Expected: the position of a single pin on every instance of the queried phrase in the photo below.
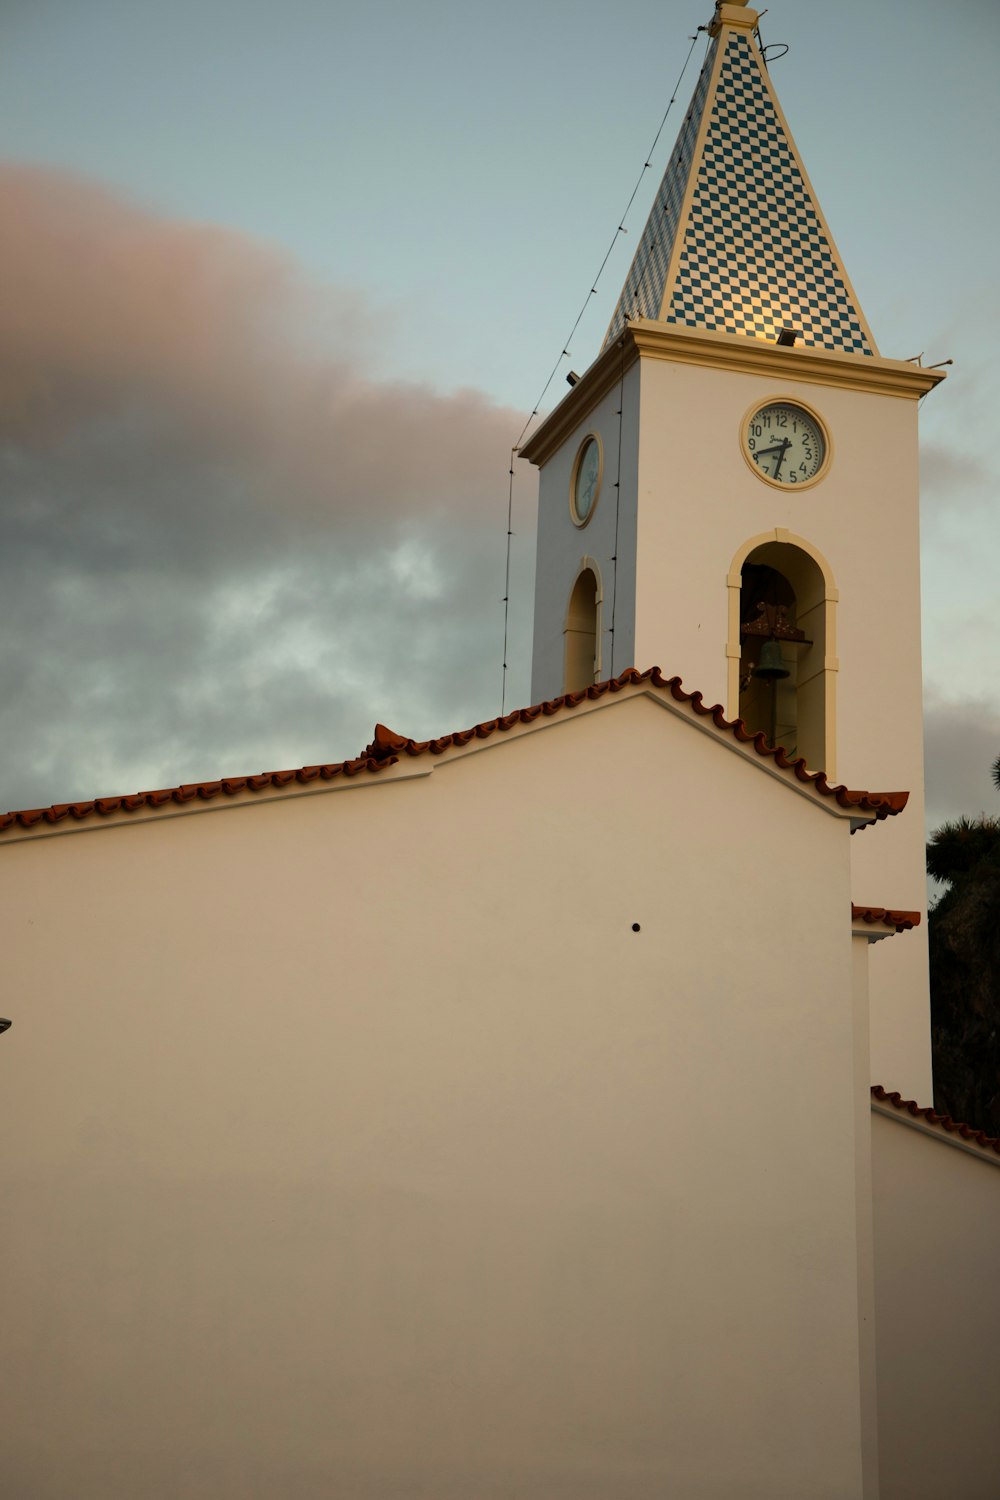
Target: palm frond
(958, 847)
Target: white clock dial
(785, 443)
(586, 480)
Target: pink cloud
(117, 309)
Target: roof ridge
(931, 1117)
(387, 748)
(883, 804)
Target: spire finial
(735, 13)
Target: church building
(542, 1110)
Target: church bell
(771, 667)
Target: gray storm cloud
(961, 742)
(225, 548)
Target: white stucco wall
(562, 546)
(937, 1229)
(698, 504)
(690, 502)
(356, 1145)
(861, 949)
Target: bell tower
(730, 492)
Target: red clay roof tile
(883, 804)
(386, 749)
(205, 790)
(899, 921)
(931, 1117)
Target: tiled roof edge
(204, 791)
(879, 804)
(387, 748)
(924, 1116)
(898, 921)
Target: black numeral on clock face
(785, 444)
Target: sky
(279, 286)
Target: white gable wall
(937, 1228)
(352, 1144)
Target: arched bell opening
(582, 632)
(783, 629)
(770, 642)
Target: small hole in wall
(636, 927)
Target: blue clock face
(786, 443)
(588, 476)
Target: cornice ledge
(606, 371)
(644, 338)
(887, 377)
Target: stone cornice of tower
(645, 339)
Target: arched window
(770, 643)
(781, 647)
(582, 632)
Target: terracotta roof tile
(192, 791)
(899, 921)
(883, 804)
(931, 1117)
(387, 748)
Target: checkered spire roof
(735, 240)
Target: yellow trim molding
(737, 15)
(587, 565)
(830, 665)
(796, 154)
(574, 515)
(810, 411)
(645, 339)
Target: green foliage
(964, 936)
(955, 849)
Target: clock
(785, 443)
(585, 485)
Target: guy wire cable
(618, 500)
(506, 583)
(647, 164)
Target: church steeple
(736, 241)
(708, 486)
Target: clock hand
(765, 453)
(781, 450)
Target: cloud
(948, 477)
(961, 742)
(197, 330)
(227, 547)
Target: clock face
(587, 480)
(785, 443)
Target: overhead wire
(618, 502)
(564, 354)
(647, 164)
